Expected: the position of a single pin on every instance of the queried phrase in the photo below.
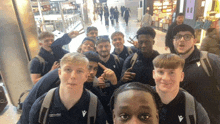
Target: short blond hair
(74, 58)
(168, 61)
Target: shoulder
(202, 116)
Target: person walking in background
(106, 15)
(146, 20)
(169, 35)
(116, 14)
(100, 12)
(126, 16)
(211, 42)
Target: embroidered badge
(84, 113)
(180, 117)
(114, 66)
(198, 64)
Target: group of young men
(94, 70)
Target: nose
(51, 41)
(134, 120)
(143, 45)
(165, 76)
(73, 74)
(92, 71)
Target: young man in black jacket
(196, 81)
(169, 35)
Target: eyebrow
(142, 107)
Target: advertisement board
(189, 12)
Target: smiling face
(146, 43)
(47, 42)
(93, 68)
(182, 46)
(118, 42)
(135, 107)
(73, 75)
(103, 49)
(168, 80)
(87, 46)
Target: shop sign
(189, 12)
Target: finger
(81, 32)
(81, 29)
(129, 69)
(130, 41)
(102, 66)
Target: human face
(118, 42)
(87, 46)
(182, 46)
(179, 20)
(47, 42)
(73, 75)
(168, 80)
(146, 43)
(103, 49)
(135, 107)
(93, 68)
(92, 33)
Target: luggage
(3, 99)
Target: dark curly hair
(147, 31)
(92, 56)
(136, 86)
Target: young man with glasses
(196, 81)
(118, 42)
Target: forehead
(103, 43)
(75, 64)
(48, 37)
(184, 32)
(93, 64)
(88, 41)
(118, 35)
(180, 16)
(169, 69)
(93, 31)
(145, 37)
(130, 97)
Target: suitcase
(3, 99)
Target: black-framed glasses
(102, 37)
(186, 37)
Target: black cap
(183, 27)
(88, 38)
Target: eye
(172, 72)
(79, 71)
(68, 70)
(144, 117)
(160, 72)
(124, 116)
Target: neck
(119, 50)
(167, 97)
(179, 23)
(69, 97)
(104, 59)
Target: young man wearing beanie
(88, 44)
(196, 81)
(139, 68)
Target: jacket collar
(195, 56)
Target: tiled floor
(10, 115)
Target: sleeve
(168, 36)
(35, 109)
(35, 66)
(101, 117)
(64, 40)
(205, 45)
(121, 66)
(216, 68)
(126, 65)
(202, 116)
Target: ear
(153, 74)
(194, 41)
(59, 72)
(182, 76)
(153, 42)
(113, 116)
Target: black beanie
(183, 27)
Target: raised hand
(128, 76)
(74, 34)
(56, 64)
(135, 43)
(108, 74)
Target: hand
(101, 82)
(128, 76)
(74, 34)
(56, 64)
(135, 43)
(108, 74)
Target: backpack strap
(92, 108)
(133, 60)
(129, 50)
(190, 109)
(42, 61)
(117, 61)
(206, 65)
(44, 110)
